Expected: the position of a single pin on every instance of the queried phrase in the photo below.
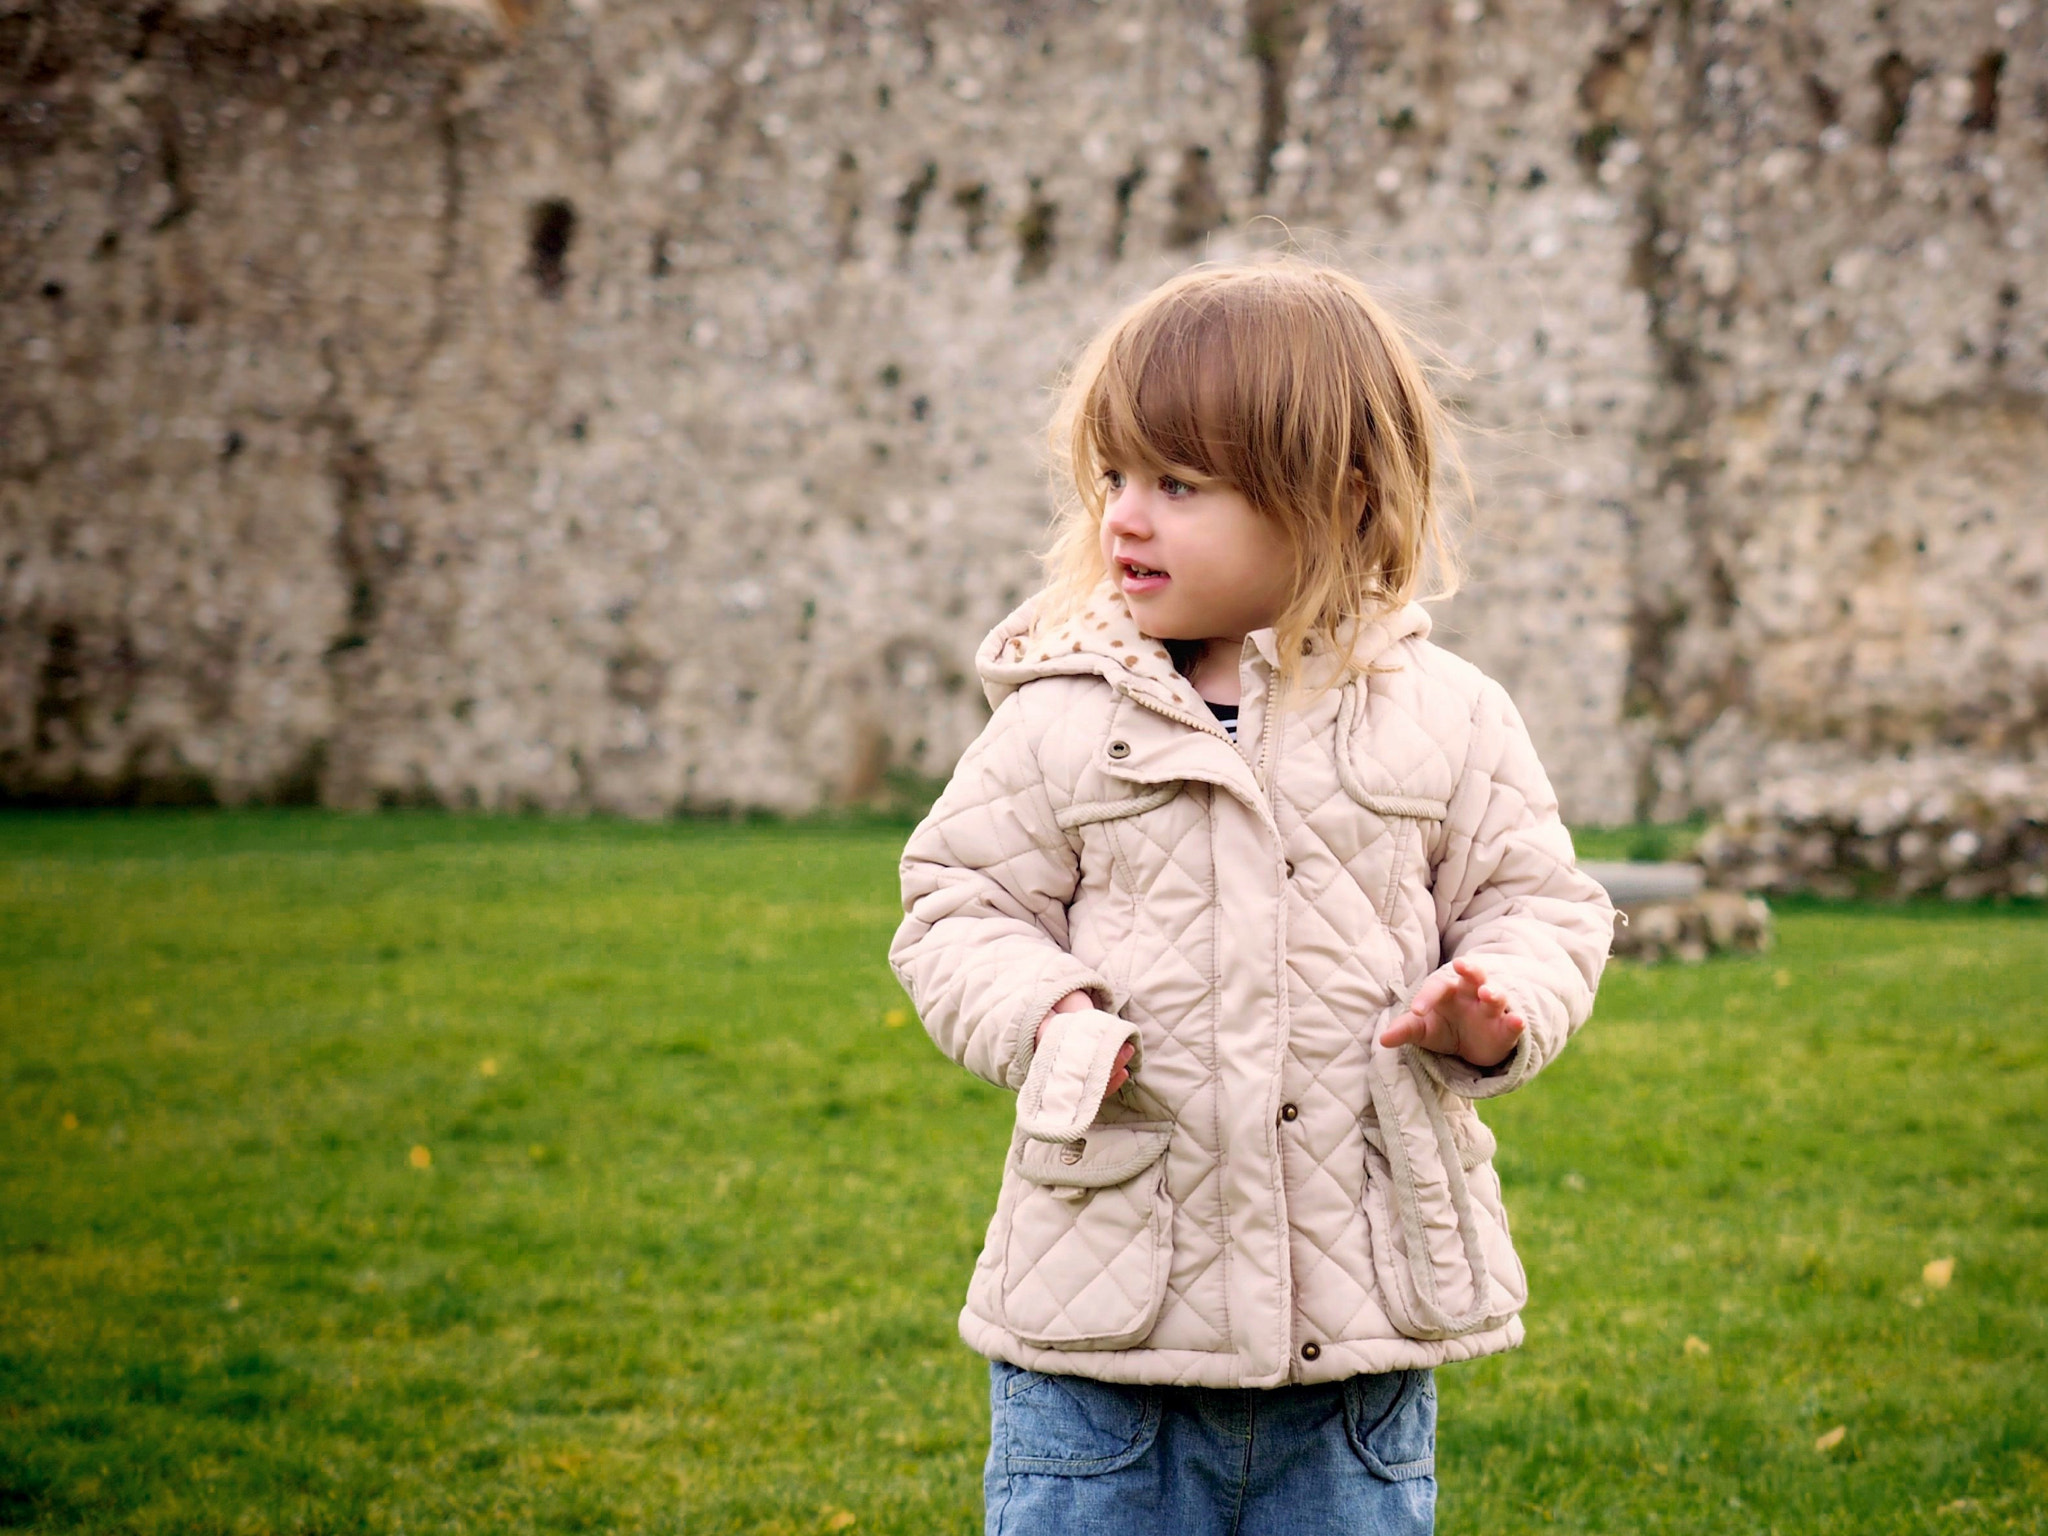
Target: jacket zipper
(1272, 714)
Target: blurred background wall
(635, 405)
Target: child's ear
(1358, 487)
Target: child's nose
(1127, 514)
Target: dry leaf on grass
(420, 1157)
(895, 1018)
(1827, 1442)
(840, 1519)
(1935, 1274)
(1695, 1345)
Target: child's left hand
(1459, 1016)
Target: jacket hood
(1103, 639)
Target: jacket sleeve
(987, 878)
(1511, 899)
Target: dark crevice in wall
(843, 207)
(1035, 239)
(597, 105)
(85, 685)
(171, 166)
(448, 221)
(550, 231)
(370, 543)
(1610, 94)
(636, 678)
(1895, 78)
(1824, 99)
(1274, 32)
(299, 785)
(1120, 220)
(1196, 202)
(910, 203)
(60, 690)
(1348, 47)
(972, 201)
(1681, 675)
(2001, 335)
(149, 21)
(1983, 115)
(210, 679)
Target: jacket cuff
(1459, 1076)
(1037, 1003)
(1070, 1075)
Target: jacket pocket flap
(1107, 1155)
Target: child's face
(1194, 564)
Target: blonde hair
(1285, 380)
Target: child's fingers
(1432, 992)
(1410, 1026)
(1120, 1073)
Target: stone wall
(636, 406)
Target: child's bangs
(1168, 400)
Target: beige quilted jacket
(1275, 1197)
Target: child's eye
(1175, 488)
(1114, 478)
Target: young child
(1249, 891)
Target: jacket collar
(1103, 639)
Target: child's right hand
(1080, 1002)
(1459, 1015)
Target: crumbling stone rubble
(1945, 824)
(1665, 912)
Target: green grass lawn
(424, 1174)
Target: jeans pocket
(1068, 1426)
(1391, 1422)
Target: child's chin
(1158, 626)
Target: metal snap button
(1119, 749)
(1071, 1152)
(1311, 1350)
(1290, 1112)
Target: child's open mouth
(1141, 578)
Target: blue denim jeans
(1072, 1457)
